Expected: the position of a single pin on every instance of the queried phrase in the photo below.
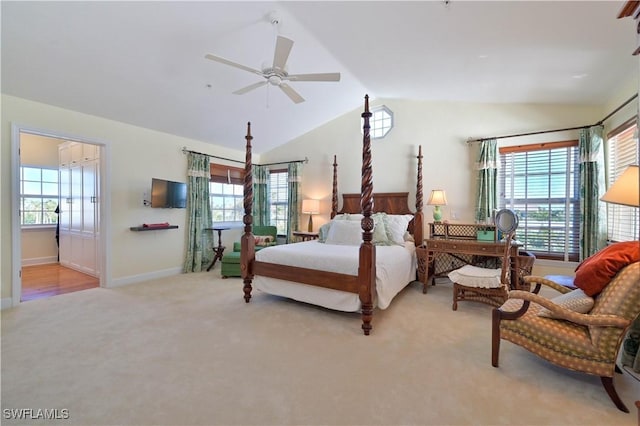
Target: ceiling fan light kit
(277, 74)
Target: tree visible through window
(38, 196)
(226, 201)
(279, 199)
(540, 183)
(226, 193)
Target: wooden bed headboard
(387, 202)
(383, 202)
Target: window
(226, 201)
(381, 122)
(38, 196)
(226, 193)
(540, 182)
(279, 200)
(622, 150)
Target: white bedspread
(395, 268)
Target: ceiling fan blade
(329, 76)
(292, 94)
(250, 88)
(231, 63)
(280, 56)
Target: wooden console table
(463, 231)
(305, 236)
(219, 250)
(461, 252)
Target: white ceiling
(143, 62)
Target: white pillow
(409, 237)
(344, 232)
(348, 216)
(323, 232)
(396, 227)
(474, 276)
(380, 236)
(575, 300)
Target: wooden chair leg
(607, 382)
(495, 337)
(455, 297)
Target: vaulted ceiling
(144, 63)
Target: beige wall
(135, 155)
(442, 129)
(40, 151)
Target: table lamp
(437, 198)
(310, 207)
(626, 189)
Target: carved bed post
(419, 216)
(247, 241)
(334, 193)
(367, 266)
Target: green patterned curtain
(487, 166)
(593, 220)
(261, 216)
(295, 177)
(200, 242)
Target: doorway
(42, 267)
(52, 279)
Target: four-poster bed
(343, 277)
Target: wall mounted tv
(168, 194)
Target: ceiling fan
(277, 74)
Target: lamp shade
(310, 206)
(626, 189)
(437, 198)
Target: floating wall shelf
(152, 228)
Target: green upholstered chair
(265, 236)
(584, 342)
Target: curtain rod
(470, 140)
(186, 151)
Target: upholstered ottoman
(231, 264)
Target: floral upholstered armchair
(581, 329)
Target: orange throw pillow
(595, 272)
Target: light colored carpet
(187, 350)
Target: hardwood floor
(39, 281)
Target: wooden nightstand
(305, 236)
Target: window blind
(226, 174)
(540, 183)
(622, 221)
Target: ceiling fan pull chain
(275, 23)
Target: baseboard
(6, 303)
(39, 260)
(556, 263)
(133, 279)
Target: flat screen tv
(168, 194)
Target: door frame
(104, 246)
